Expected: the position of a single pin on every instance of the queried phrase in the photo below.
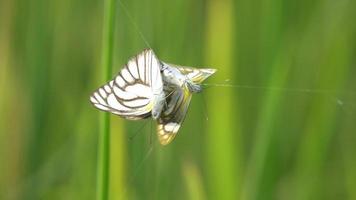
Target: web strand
(129, 16)
(328, 93)
(137, 170)
(282, 89)
(138, 131)
(337, 100)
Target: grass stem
(104, 137)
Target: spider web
(342, 99)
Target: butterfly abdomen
(159, 102)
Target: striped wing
(178, 102)
(131, 93)
(173, 115)
(196, 75)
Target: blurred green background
(287, 133)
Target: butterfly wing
(178, 102)
(194, 74)
(131, 93)
(173, 114)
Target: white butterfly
(148, 87)
(180, 83)
(136, 92)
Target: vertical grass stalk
(223, 157)
(104, 137)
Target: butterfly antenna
(169, 94)
(206, 86)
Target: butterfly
(180, 83)
(136, 92)
(148, 87)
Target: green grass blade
(222, 155)
(104, 137)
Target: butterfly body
(174, 77)
(159, 102)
